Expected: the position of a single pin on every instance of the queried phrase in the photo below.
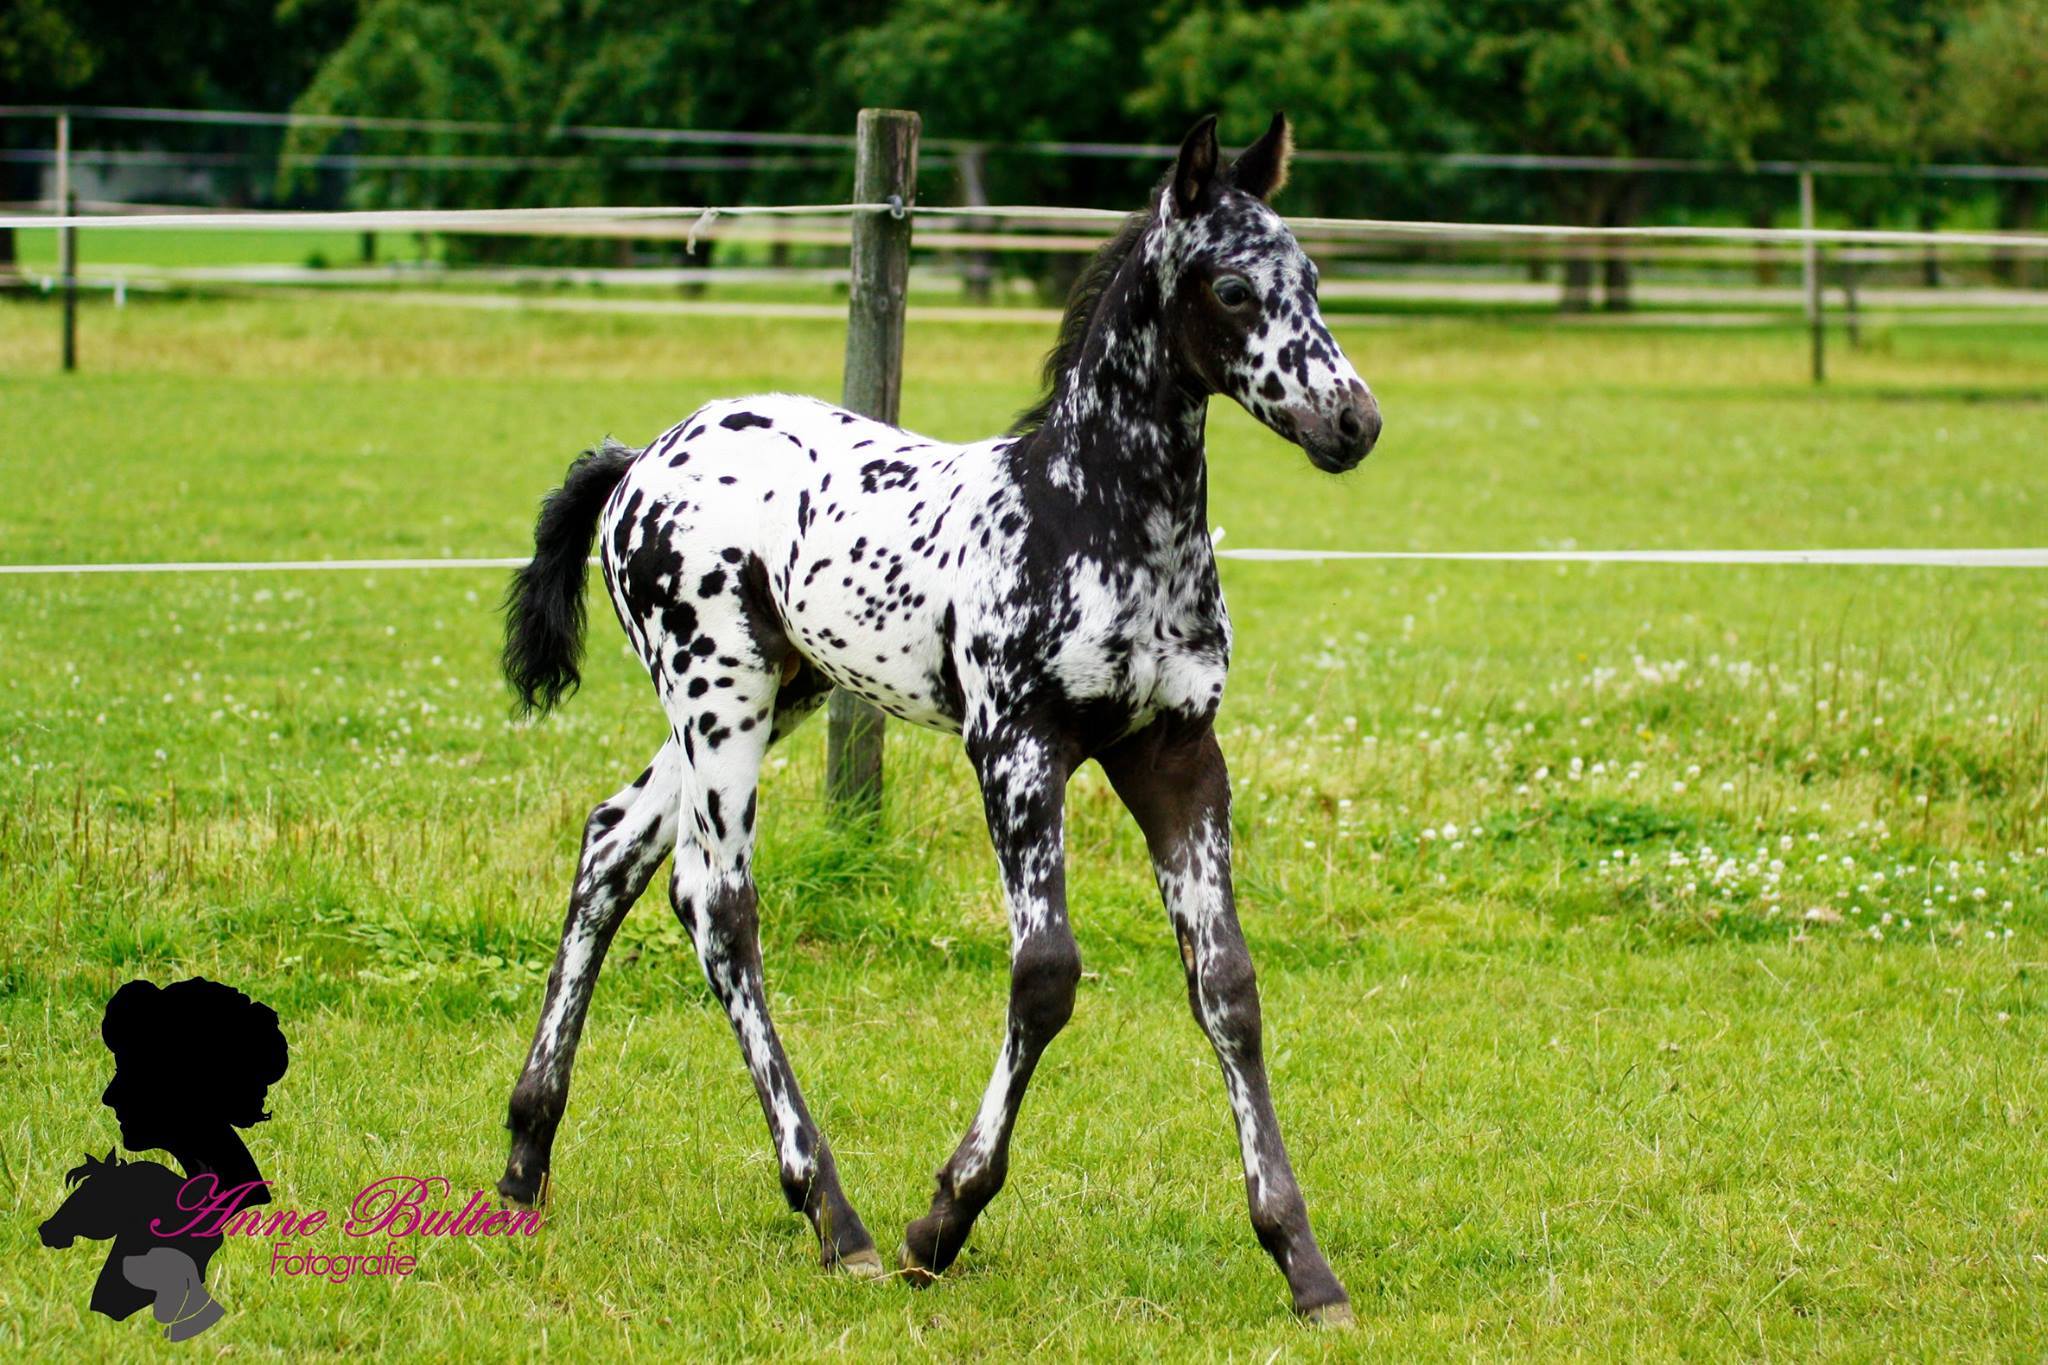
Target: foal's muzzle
(1339, 439)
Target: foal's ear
(1261, 169)
(1195, 168)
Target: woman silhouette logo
(193, 1061)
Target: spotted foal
(1049, 595)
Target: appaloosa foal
(1049, 595)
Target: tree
(1596, 78)
(189, 54)
(1614, 78)
(1351, 76)
(1889, 106)
(544, 65)
(1994, 85)
(41, 50)
(1016, 71)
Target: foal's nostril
(1362, 423)
(1348, 424)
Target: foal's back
(782, 533)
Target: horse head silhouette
(105, 1192)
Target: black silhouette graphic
(115, 1199)
(193, 1061)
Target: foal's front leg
(1023, 780)
(1177, 787)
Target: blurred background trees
(1898, 82)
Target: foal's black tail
(544, 604)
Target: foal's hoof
(1336, 1316)
(525, 1191)
(865, 1264)
(915, 1272)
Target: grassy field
(187, 247)
(1653, 957)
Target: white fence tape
(2026, 558)
(1936, 559)
(264, 566)
(540, 221)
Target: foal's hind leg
(1177, 787)
(1022, 783)
(624, 840)
(713, 891)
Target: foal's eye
(1232, 291)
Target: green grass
(37, 248)
(1652, 956)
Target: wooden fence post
(67, 264)
(67, 243)
(978, 267)
(1851, 267)
(885, 170)
(1810, 263)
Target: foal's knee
(1044, 973)
(719, 909)
(715, 897)
(604, 868)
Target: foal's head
(1240, 299)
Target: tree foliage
(1994, 81)
(544, 66)
(1009, 71)
(1733, 81)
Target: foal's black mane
(1082, 302)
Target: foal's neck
(1124, 442)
